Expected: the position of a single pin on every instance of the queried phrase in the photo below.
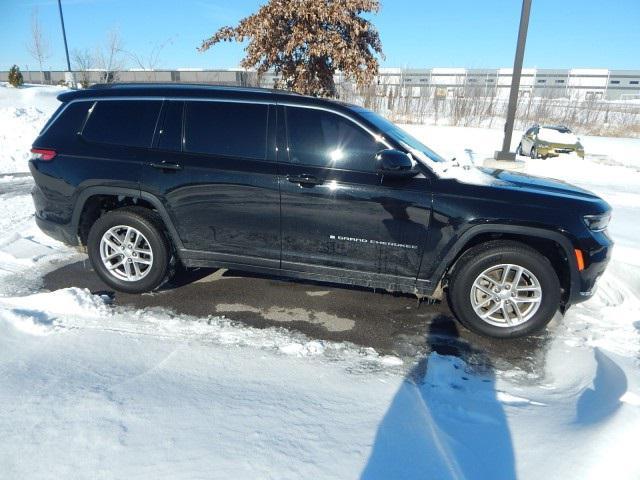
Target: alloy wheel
(506, 295)
(126, 253)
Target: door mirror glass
(395, 163)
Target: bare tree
(38, 46)
(306, 41)
(83, 62)
(109, 58)
(150, 61)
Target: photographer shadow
(445, 421)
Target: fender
(89, 192)
(466, 237)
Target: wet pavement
(389, 323)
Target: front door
(339, 216)
(218, 180)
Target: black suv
(151, 177)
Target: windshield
(559, 128)
(390, 129)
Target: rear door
(217, 177)
(115, 141)
(338, 214)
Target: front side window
(226, 128)
(324, 139)
(128, 123)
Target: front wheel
(128, 250)
(534, 153)
(504, 290)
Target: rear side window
(225, 128)
(128, 123)
(324, 139)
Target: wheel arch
(551, 244)
(121, 195)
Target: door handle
(167, 166)
(304, 179)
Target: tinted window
(65, 126)
(170, 134)
(128, 122)
(325, 139)
(232, 129)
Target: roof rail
(211, 86)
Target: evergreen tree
(15, 76)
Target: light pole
(505, 154)
(69, 75)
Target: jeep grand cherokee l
(147, 177)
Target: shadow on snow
(446, 420)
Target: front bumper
(597, 253)
(555, 150)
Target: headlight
(597, 223)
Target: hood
(532, 184)
(553, 136)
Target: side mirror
(395, 163)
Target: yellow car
(549, 141)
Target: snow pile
(23, 113)
(462, 172)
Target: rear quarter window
(128, 123)
(65, 124)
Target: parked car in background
(549, 141)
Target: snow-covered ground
(88, 390)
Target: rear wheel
(504, 289)
(129, 250)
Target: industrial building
(576, 84)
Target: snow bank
(23, 113)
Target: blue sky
(415, 33)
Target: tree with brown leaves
(306, 41)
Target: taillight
(43, 154)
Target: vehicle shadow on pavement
(446, 420)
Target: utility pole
(69, 74)
(505, 154)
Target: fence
(458, 102)
(484, 108)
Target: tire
(150, 241)
(487, 258)
(534, 153)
